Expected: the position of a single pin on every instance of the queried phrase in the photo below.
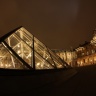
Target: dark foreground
(82, 83)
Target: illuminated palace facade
(83, 55)
(66, 55)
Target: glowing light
(18, 51)
(91, 60)
(94, 59)
(18, 45)
(38, 64)
(81, 63)
(46, 58)
(41, 65)
(1, 65)
(59, 66)
(9, 65)
(6, 65)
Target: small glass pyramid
(19, 49)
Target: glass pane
(21, 48)
(39, 43)
(47, 57)
(26, 32)
(25, 52)
(26, 36)
(11, 41)
(39, 49)
(58, 64)
(56, 59)
(42, 50)
(8, 61)
(40, 63)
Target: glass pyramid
(19, 49)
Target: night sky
(59, 24)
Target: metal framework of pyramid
(19, 49)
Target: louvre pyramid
(19, 49)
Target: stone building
(66, 55)
(86, 53)
(83, 55)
